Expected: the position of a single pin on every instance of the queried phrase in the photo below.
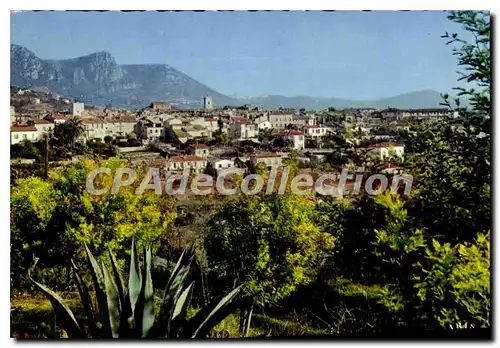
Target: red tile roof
(211, 120)
(199, 146)
(23, 129)
(241, 120)
(292, 133)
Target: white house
(94, 128)
(264, 125)
(308, 120)
(222, 163)
(382, 151)
(280, 119)
(201, 150)
(122, 126)
(316, 130)
(212, 124)
(178, 163)
(43, 126)
(58, 118)
(296, 137)
(269, 159)
(242, 128)
(23, 133)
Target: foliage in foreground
(271, 243)
(128, 312)
(52, 217)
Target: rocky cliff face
(98, 79)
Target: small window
(16, 136)
(220, 165)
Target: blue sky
(358, 55)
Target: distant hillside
(419, 99)
(97, 79)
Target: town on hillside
(172, 139)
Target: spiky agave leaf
(126, 311)
(134, 279)
(144, 316)
(179, 314)
(206, 319)
(84, 293)
(173, 290)
(182, 302)
(113, 302)
(66, 317)
(118, 278)
(99, 287)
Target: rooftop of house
(23, 128)
(186, 158)
(199, 146)
(158, 162)
(42, 121)
(92, 121)
(125, 119)
(315, 126)
(219, 159)
(292, 133)
(60, 117)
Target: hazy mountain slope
(97, 79)
(419, 99)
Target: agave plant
(128, 312)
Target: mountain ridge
(97, 79)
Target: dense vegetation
(366, 265)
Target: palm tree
(74, 129)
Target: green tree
(52, 217)
(271, 243)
